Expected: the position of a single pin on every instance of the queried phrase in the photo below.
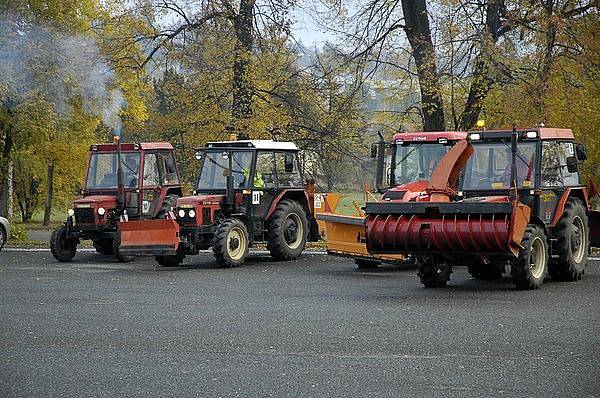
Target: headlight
(192, 213)
(101, 210)
(181, 213)
(71, 212)
(475, 136)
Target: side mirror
(572, 164)
(374, 150)
(581, 152)
(288, 163)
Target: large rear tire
(433, 271)
(119, 257)
(287, 231)
(231, 243)
(103, 246)
(530, 268)
(572, 243)
(62, 248)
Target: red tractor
(412, 158)
(498, 198)
(135, 181)
(247, 192)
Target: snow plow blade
(346, 237)
(446, 228)
(149, 237)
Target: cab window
(551, 176)
(151, 171)
(265, 176)
(567, 150)
(288, 174)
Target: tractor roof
(543, 133)
(131, 146)
(254, 144)
(430, 136)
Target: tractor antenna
(513, 168)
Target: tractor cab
(408, 161)
(149, 174)
(546, 166)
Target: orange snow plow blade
(149, 237)
(346, 237)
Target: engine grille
(84, 216)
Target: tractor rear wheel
(433, 271)
(364, 263)
(3, 237)
(171, 261)
(103, 246)
(572, 243)
(482, 271)
(530, 268)
(231, 243)
(120, 258)
(63, 249)
(169, 202)
(287, 231)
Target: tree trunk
(4, 166)
(243, 90)
(419, 36)
(49, 194)
(482, 82)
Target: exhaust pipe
(380, 164)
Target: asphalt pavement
(313, 327)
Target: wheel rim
(293, 231)
(236, 243)
(578, 240)
(537, 258)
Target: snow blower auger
(498, 198)
(413, 157)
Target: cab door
(151, 181)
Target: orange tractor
(134, 181)
(498, 198)
(247, 191)
(412, 157)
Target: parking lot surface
(313, 327)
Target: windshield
(212, 172)
(416, 161)
(490, 166)
(102, 173)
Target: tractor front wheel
(62, 248)
(364, 263)
(483, 271)
(103, 246)
(231, 243)
(287, 231)
(171, 261)
(572, 243)
(530, 268)
(119, 257)
(433, 271)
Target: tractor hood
(95, 201)
(192, 201)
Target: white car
(4, 231)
